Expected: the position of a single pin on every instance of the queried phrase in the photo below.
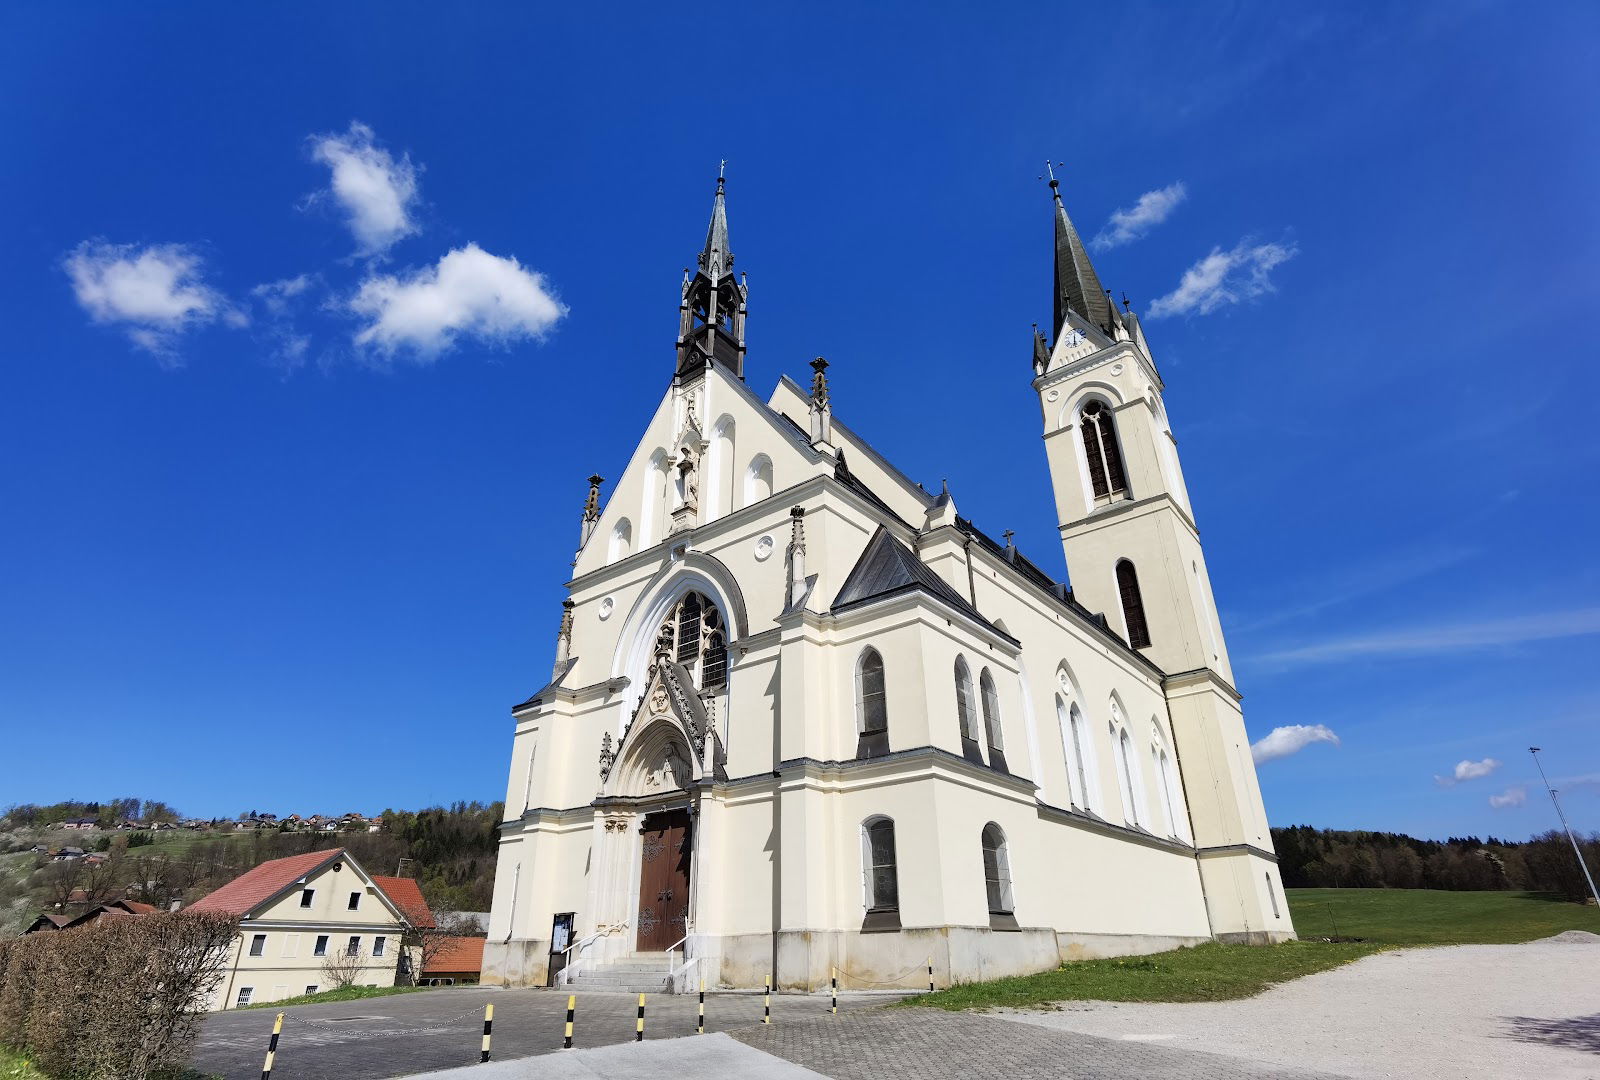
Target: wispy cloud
(286, 343)
(1511, 796)
(1467, 770)
(1335, 586)
(1224, 278)
(1446, 638)
(469, 293)
(377, 193)
(1283, 741)
(1127, 225)
(155, 293)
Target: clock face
(1072, 337)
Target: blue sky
(306, 310)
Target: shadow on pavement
(1575, 1033)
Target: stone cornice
(1122, 350)
(1091, 822)
(1235, 849)
(1199, 679)
(1103, 515)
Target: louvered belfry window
(1106, 474)
(1132, 605)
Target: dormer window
(693, 635)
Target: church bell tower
(712, 312)
(1133, 552)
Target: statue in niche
(671, 773)
(688, 479)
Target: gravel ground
(1423, 1014)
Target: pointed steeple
(711, 314)
(1077, 285)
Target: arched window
(1163, 771)
(693, 635)
(872, 714)
(966, 712)
(1081, 749)
(996, 870)
(1132, 605)
(758, 479)
(991, 720)
(621, 539)
(1100, 448)
(652, 509)
(880, 876)
(1070, 721)
(1171, 784)
(1125, 767)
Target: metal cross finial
(1127, 304)
(1051, 172)
(1008, 534)
(721, 165)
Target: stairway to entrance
(636, 973)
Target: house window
(693, 635)
(377, 945)
(353, 948)
(322, 946)
(312, 989)
(966, 711)
(991, 719)
(1132, 605)
(1100, 449)
(243, 999)
(880, 875)
(305, 897)
(872, 713)
(258, 945)
(355, 901)
(996, 870)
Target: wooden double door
(668, 844)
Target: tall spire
(1077, 286)
(711, 315)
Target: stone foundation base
(1258, 937)
(515, 963)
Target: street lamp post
(1534, 750)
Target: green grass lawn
(13, 1066)
(1384, 918)
(352, 993)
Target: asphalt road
(439, 1029)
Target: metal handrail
(565, 976)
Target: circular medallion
(607, 606)
(764, 548)
(1052, 395)
(1116, 369)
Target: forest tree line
(1352, 859)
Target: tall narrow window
(872, 714)
(1100, 448)
(1158, 758)
(991, 720)
(1080, 752)
(715, 663)
(996, 870)
(880, 875)
(689, 629)
(966, 712)
(1132, 605)
(1130, 793)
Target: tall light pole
(1534, 750)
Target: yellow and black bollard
(700, 1024)
(272, 1048)
(766, 1002)
(638, 1025)
(572, 1007)
(833, 980)
(930, 974)
(488, 1024)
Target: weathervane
(1051, 172)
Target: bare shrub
(116, 999)
(343, 966)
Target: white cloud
(1448, 637)
(377, 193)
(1511, 796)
(1153, 207)
(1283, 741)
(470, 292)
(287, 346)
(156, 292)
(1468, 770)
(1223, 278)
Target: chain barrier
(868, 984)
(340, 1021)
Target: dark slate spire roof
(717, 259)
(1077, 286)
(888, 567)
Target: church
(806, 717)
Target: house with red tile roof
(302, 916)
(459, 960)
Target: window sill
(881, 920)
(1004, 921)
(872, 744)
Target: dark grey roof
(1077, 286)
(561, 672)
(887, 567)
(717, 260)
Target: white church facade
(805, 716)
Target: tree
(342, 967)
(423, 944)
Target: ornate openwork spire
(711, 315)
(1077, 285)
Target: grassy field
(1384, 918)
(353, 993)
(13, 1066)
